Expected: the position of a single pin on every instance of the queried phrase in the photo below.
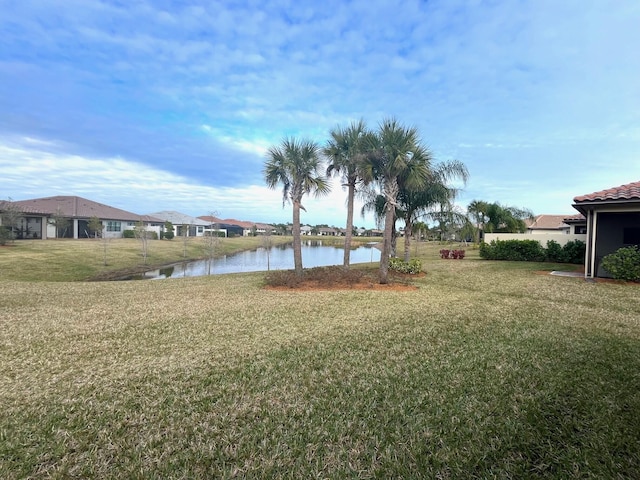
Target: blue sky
(159, 105)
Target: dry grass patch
(486, 370)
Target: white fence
(543, 238)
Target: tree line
(389, 167)
(395, 175)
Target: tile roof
(237, 223)
(578, 217)
(630, 191)
(78, 207)
(547, 222)
(178, 218)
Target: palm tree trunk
(349, 232)
(408, 231)
(297, 244)
(391, 193)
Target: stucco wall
(561, 238)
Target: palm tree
(391, 152)
(436, 191)
(296, 165)
(478, 210)
(345, 153)
(506, 219)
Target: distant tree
(416, 202)
(296, 165)
(184, 235)
(267, 242)
(95, 226)
(477, 210)
(210, 244)
(10, 215)
(140, 232)
(503, 219)
(60, 222)
(168, 230)
(104, 241)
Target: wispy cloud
(539, 92)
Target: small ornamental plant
(452, 254)
(411, 267)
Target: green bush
(132, 234)
(513, 250)
(555, 252)
(574, 251)
(5, 235)
(531, 251)
(412, 266)
(623, 264)
(168, 235)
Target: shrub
(168, 235)
(5, 235)
(555, 252)
(454, 254)
(574, 251)
(132, 234)
(412, 266)
(623, 264)
(513, 250)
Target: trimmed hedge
(532, 251)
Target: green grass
(487, 370)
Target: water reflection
(278, 257)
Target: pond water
(280, 257)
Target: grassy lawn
(487, 370)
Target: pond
(314, 254)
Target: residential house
(239, 227)
(68, 217)
(183, 224)
(612, 222)
(543, 228)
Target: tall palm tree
(415, 202)
(344, 151)
(391, 150)
(296, 165)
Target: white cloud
(31, 172)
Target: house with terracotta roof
(239, 227)
(38, 218)
(612, 221)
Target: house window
(131, 224)
(200, 229)
(631, 236)
(114, 227)
(580, 230)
